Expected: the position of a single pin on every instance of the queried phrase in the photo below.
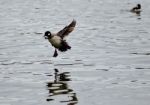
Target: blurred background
(107, 65)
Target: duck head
(47, 34)
(139, 6)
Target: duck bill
(45, 37)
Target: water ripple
(59, 87)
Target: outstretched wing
(68, 29)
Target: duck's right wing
(66, 30)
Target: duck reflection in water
(59, 87)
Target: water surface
(107, 65)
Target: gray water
(109, 63)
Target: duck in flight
(57, 40)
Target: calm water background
(109, 63)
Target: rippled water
(107, 65)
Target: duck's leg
(55, 53)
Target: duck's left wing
(66, 30)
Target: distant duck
(136, 9)
(57, 40)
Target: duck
(136, 9)
(58, 40)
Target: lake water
(109, 63)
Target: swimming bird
(58, 40)
(136, 9)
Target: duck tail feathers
(64, 46)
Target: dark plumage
(64, 46)
(57, 40)
(136, 9)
